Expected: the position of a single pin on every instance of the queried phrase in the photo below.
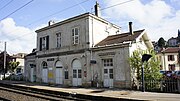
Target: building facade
(169, 58)
(19, 58)
(85, 50)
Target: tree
(8, 59)
(161, 42)
(13, 65)
(151, 68)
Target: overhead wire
(6, 5)
(67, 9)
(17, 9)
(50, 16)
(116, 5)
(58, 12)
(81, 6)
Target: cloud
(18, 38)
(159, 18)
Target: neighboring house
(169, 58)
(172, 42)
(19, 58)
(84, 50)
(156, 47)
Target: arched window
(59, 64)
(44, 65)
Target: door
(44, 72)
(32, 73)
(59, 76)
(45, 75)
(59, 73)
(108, 77)
(77, 73)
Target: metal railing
(167, 85)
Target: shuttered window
(44, 43)
(170, 57)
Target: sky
(20, 18)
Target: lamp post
(145, 57)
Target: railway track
(40, 94)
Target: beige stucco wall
(122, 75)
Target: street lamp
(145, 57)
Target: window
(44, 43)
(75, 35)
(58, 35)
(74, 73)
(108, 62)
(171, 67)
(170, 57)
(44, 65)
(66, 74)
(79, 73)
(105, 71)
(111, 73)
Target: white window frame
(44, 43)
(58, 39)
(75, 35)
(108, 62)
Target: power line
(17, 9)
(81, 6)
(58, 12)
(116, 5)
(67, 9)
(51, 15)
(6, 5)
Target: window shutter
(40, 44)
(172, 57)
(47, 42)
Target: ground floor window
(171, 67)
(66, 74)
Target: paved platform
(113, 93)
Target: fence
(168, 85)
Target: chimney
(130, 28)
(97, 9)
(50, 22)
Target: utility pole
(4, 58)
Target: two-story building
(169, 58)
(84, 50)
(19, 57)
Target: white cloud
(18, 38)
(156, 16)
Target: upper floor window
(170, 57)
(75, 35)
(44, 43)
(58, 36)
